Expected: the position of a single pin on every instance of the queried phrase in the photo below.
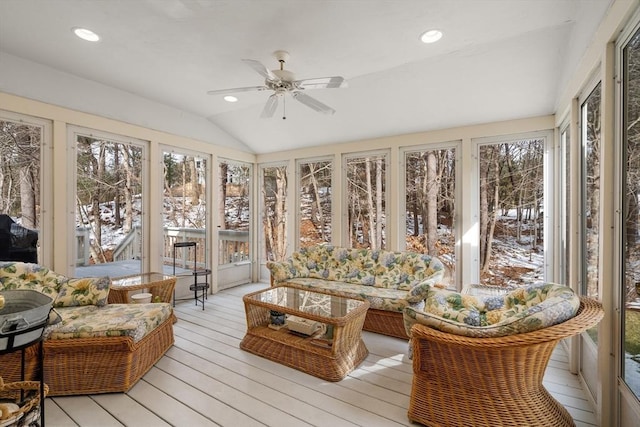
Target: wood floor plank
(84, 411)
(54, 412)
(127, 410)
(166, 405)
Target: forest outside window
(109, 205)
(511, 193)
(366, 200)
(274, 212)
(185, 208)
(20, 193)
(430, 183)
(234, 214)
(631, 218)
(314, 215)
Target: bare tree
(274, 220)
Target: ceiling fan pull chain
(284, 107)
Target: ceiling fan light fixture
(230, 98)
(86, 34)
(431, 36)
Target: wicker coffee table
(329, 355)
(159, 285)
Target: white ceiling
(498, 60)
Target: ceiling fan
(282, 81)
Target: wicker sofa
(90, 346)
(390, 281)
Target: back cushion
(357, 266)
(402, 270)
(84, 291)
(317, 259)
(19, 275)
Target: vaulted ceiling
(156, 60)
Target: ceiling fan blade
(261, 69)
(270, 107)
(312, 103)
(236, 90)
(321, 83)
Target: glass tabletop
(139, 279)
(307, 301)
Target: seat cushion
(111, 320)
(519, 311)
(379, 298)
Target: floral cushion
(85, 291)
(111, 320)
(379, 298)
(20, 275)
(522, 310)
(65, 292)
(403, 270)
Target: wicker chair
(463, 381)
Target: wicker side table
(159, 285)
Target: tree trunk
(195, 185)
(280, 214)
(484, 212)
(27, 198)
(168, 199)
(379, 208)
(493, 218)
(117, 214)
(128, 191)
(370, 207)
(316, 196)
(222, 191)
(433, 189)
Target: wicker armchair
(462, 381)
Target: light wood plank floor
(206, 380)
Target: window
(590, 135)
(185, 208)
(109, 208)
(430, 183)
(511, 197)
(631, 213)
(314, 215)
(233, 231)
(565, 204)
(590, 113)
(366, 200)
(20, 192)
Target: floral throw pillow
(83, 291)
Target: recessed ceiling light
(86, 34)
(230, 98)
(431, 36)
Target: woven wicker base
(379, 321)
(92, 365)
(385, 322)
(297, 352)
(463, 381)
(313, 356)
(485, 392)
